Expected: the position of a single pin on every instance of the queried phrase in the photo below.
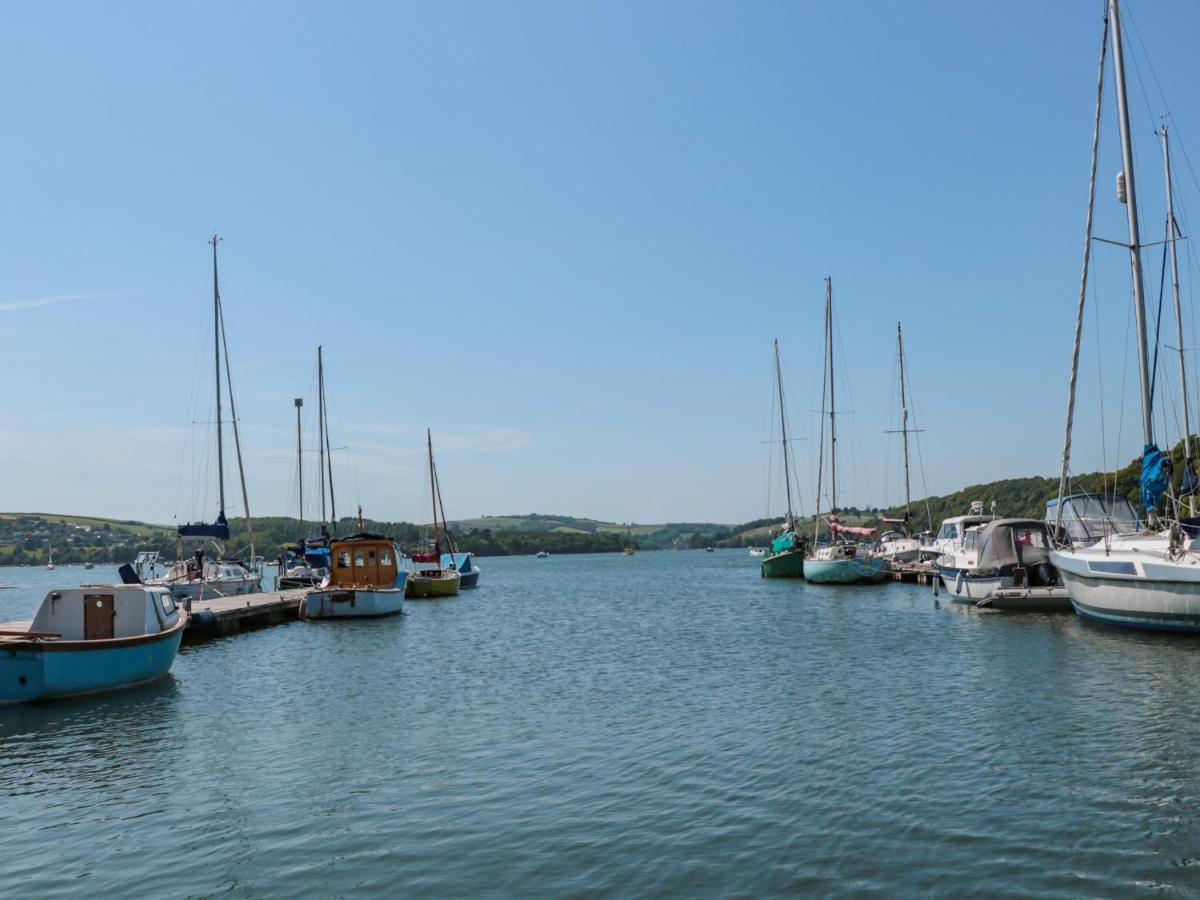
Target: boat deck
(214, 618)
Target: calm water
(667, 723)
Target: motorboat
(91, 639)
(542, 554)
(757, 551)
(1001, 554)
(898, 548)
(950, 537)
(199, 576)
(365, 581)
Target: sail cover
(218, 529)
(847, 529)
(1156, 475)
(1190, 483)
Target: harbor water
(662, 724)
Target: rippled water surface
(667, 723)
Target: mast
(904, 425)
(325, 438)
(300, 463)
(1083, 281)
(787, 472)
(832, 403)
(1135, 245)
(437, 546)
(217, 364)
(1171, 235)
(821, 437)
(321, 428)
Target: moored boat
(898, 546)
(1003, 554)
(1148, 579)
(843, 560)
(783, 557)
(366, 581)
(435, 574)
(468, 569)
(91, 639)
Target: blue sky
(563, 236)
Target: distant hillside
(647, 537)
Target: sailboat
(50, 556)
(199, 577)
(431, 575)
(308, 562)
(784, 557)
(1148, 579)
(898, 546)
(842, 560)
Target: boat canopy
(1007, 543)
(785, 543)
(1089, 517)
(1157, 469)
(218, 529)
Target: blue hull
(42, 671)
(468, 579)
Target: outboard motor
(1043, 575)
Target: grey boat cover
(1007, 543)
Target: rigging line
(1158, 325)
(237, 440)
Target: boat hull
(870, 570)
(964, 587)
(1133, 593)
(784, 565)
(468, 579)
(353, 603)
(421, 587)
(186, 592)
(47, 670)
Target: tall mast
(832, 402)
(217, 363)
(787, 471)
(433, 491)
(821, 436)
(237, 439)
(300, 463)
(325, 439)
(321, 428)
(1083, 282)
(904, 424)
(1172, 231)
(1135, 244)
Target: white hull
(1132, 587)
(190, 591)
(353, 603)
(967, 588)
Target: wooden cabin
(364, 561)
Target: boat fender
(203, 619)
(958, 582)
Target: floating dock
(229, 615)
(914, 573)
(222, 616)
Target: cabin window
(344, 559)
(167, 602)
(358, 559)
(946, 532)
(371, 557)
(385, 557)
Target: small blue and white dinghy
(365, 581)
(468, 570)
(90, 639)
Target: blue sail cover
(218, 529)
(1156, 475)
(784, 543)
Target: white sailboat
(1148, 579)
(50, 556)
(898, 546)
(199, 576)
(842, 560)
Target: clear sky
(563, 236)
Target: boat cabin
(1091, 517)
(364, 560)
(105, 611)
(1006, 545)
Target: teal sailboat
(784, 558)
(842, 560)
